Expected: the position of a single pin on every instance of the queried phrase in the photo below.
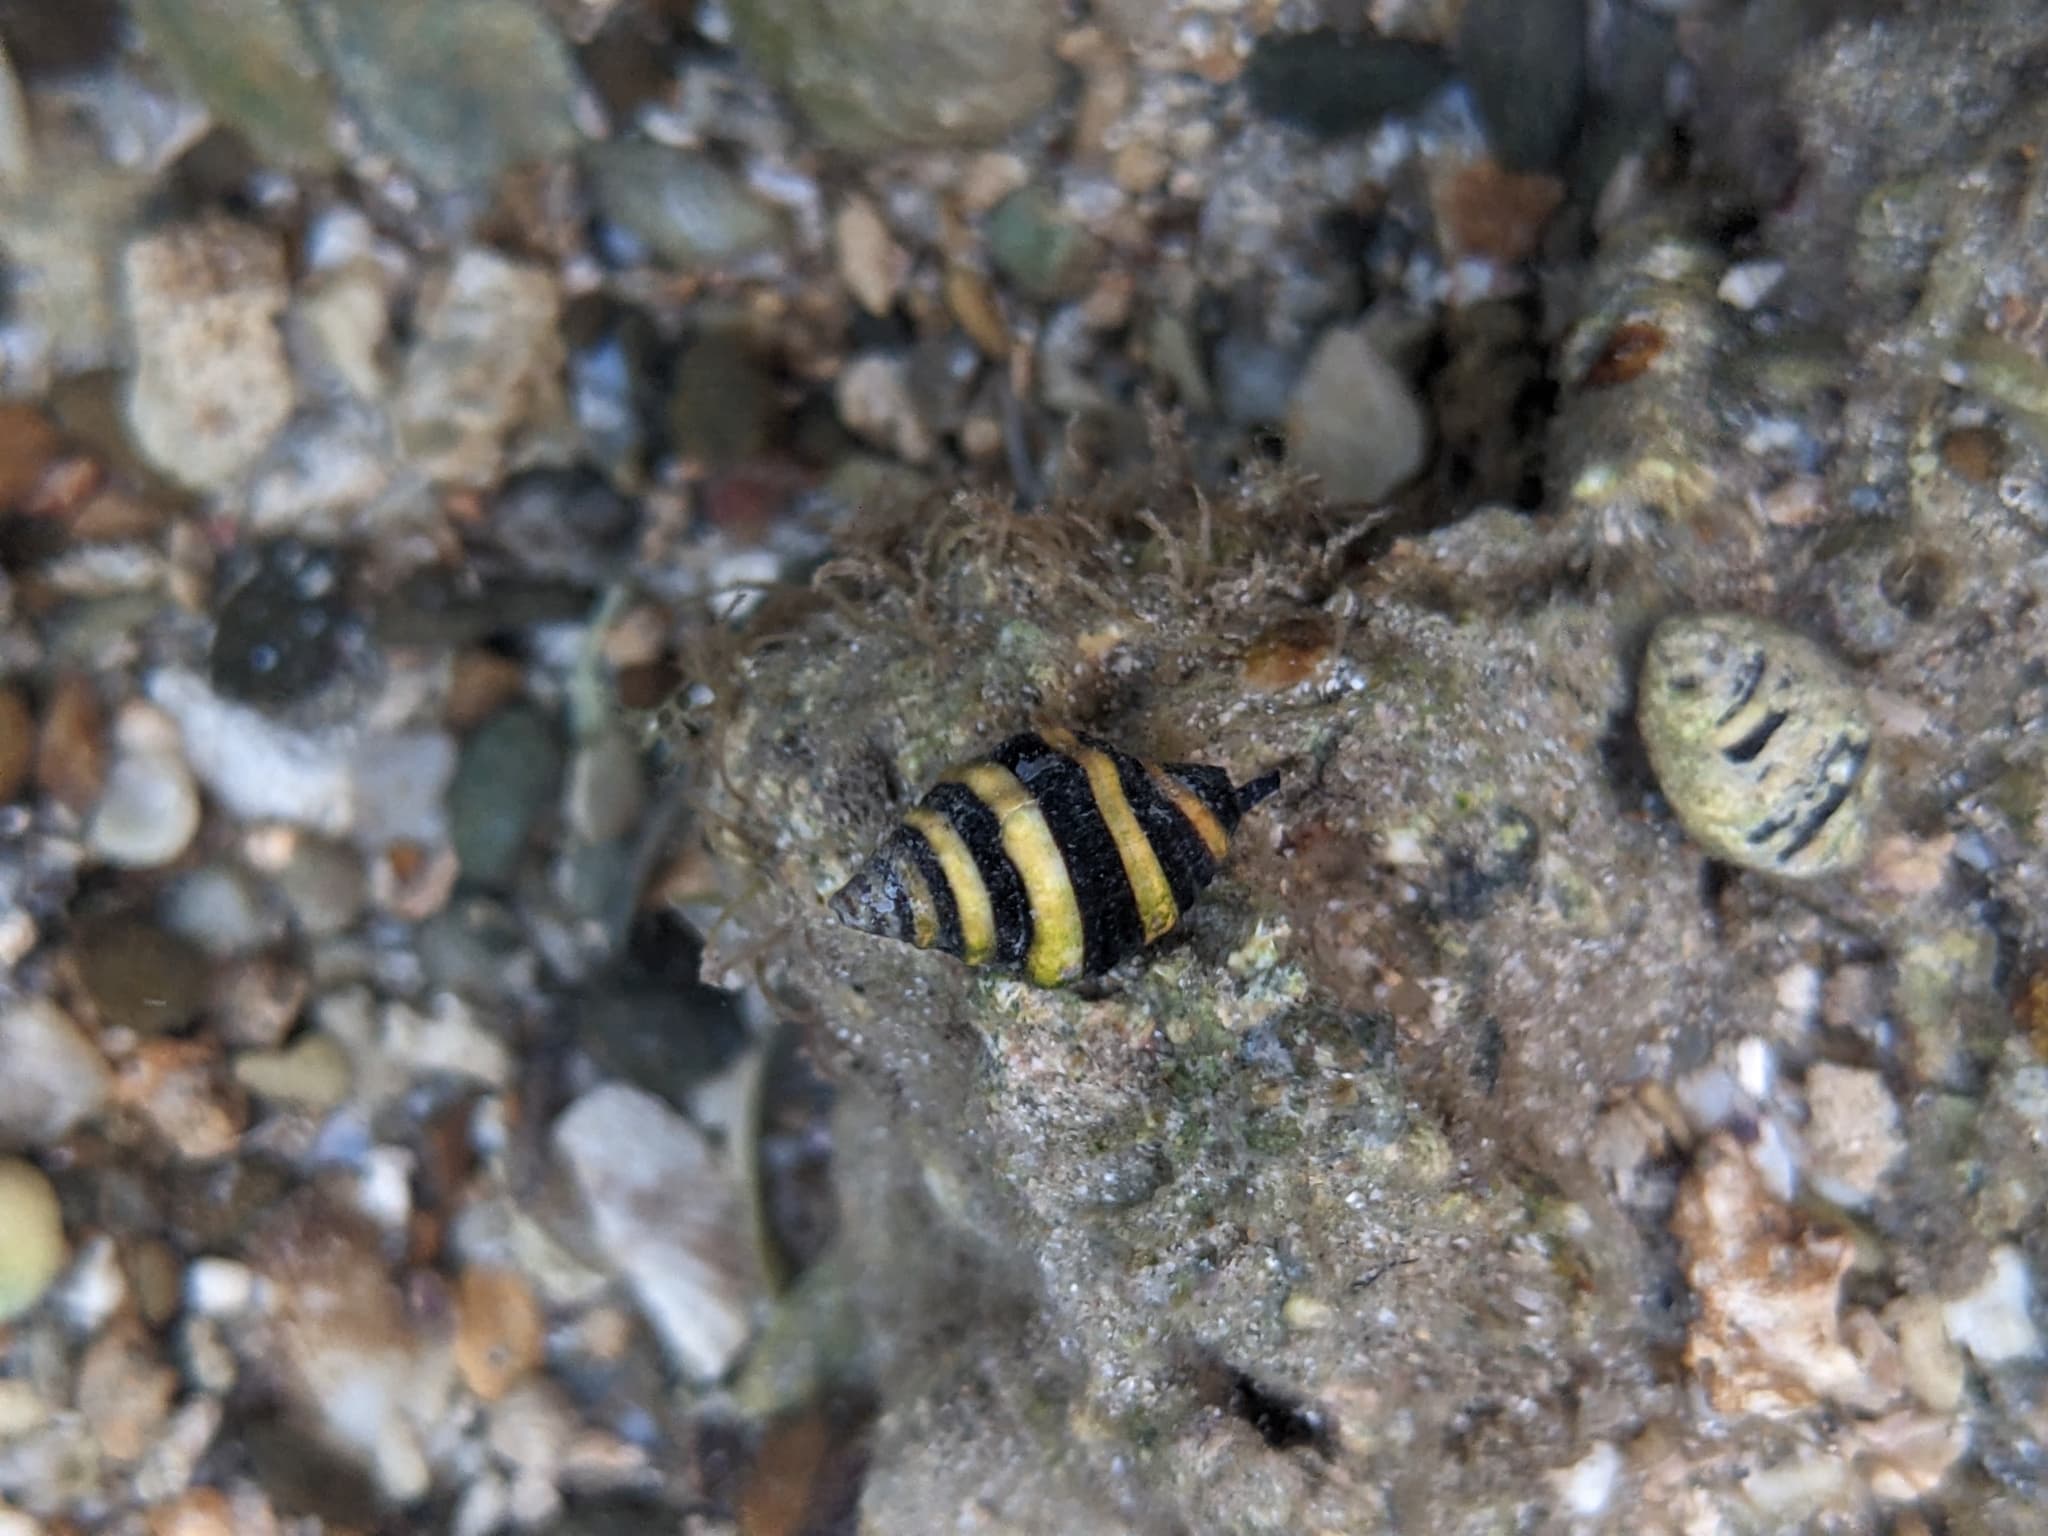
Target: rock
(62, 238)
(325, 885)
(561, 522)
(55, 1079)
(607, 788)
(488, 363)
(1354, 422)
(875, 75)
(457, 91)
(71, 749)
(1337, 83)
(1929, 1360)
(29, 444)
(722, 408)
(1525, 62)
(499, 1336)
(507, 775)
(178, 1087)
(220, 1287)
(17, 742)
(211, 385)
(345, 1347)
(31, 1237)
(124, 1390)
(1769, 1333)
(1039, 249)
(871, 264)
(286, 631)
(686, 209)
(665, 1217)
(1852, 1134)
(253, 63)
(140, 976)
(1995, 1322)
(383, 788)
(313, 1073)
(148, 813)
(221, 909)
(874, 398)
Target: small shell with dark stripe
(1761, 743)
(1056, 854)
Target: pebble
(179, 1089)
(286, 630)
(1928, 1358)
(686, 209)
(871, 264)
(124, 1390)
(1354, 422)
(31, 1237)
(253, 63)
(325, 884)
(723, 405)
(147, 814)
(1525, 64)
(874, 75)
(221, 909)
(345, 1348)
(1040, 250)
(489, 362)
(17, 741)
(313, 1073)
(562, 522)
(1338, 83)
(1994, 1322)
(211, 385)
(219, 1287)
(197, 1512)
(71, 750)
(140, 976)
(457, 91)
(507, 775)
(661, 1210)
(1852, 1134)
(875, 401)
(499, 1334)
(607, 788)
(55, 1078)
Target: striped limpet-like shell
(1761, 743)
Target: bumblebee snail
(1056, 854)
(1760, 742)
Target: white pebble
(1993, 1322)
(148, 814)
(1588, 1483)
(1749, 283)
(96, 1287)
(219, 1287)
(55, 1078)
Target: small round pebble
(54, 1077)
(314, 1073)
(31, 1237)
(147, 815)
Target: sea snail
(1056, 854)
(1761, 744)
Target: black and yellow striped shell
(1761, 743)
(1056, 854)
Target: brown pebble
(156, 1278)
(196, 1512)
(17, 741)
(124, 1390)
(498, 1331)
(1627, 354)
(139, 976)
(180, 1087)
(1287, 655)
(111, 516)
(28, 441)
(2030, 1011)
(1491, 212)
(71, 754)
(974, 305)
(1975, 453)
(480, 683)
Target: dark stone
(287, 631)
(1525, 61)
(1334, 83)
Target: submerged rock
(211, 385)
(32, 1248)
(874, 75)
(254, 65)
(1354, 422)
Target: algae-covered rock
(873, 75)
